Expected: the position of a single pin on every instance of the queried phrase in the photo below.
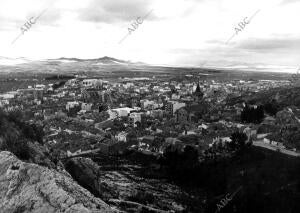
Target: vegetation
(238, 141)
(142, 197)
(58, 85)
(252, 115)
(15, 134)
(59, 77)
(269, 181)
(290, 137)
(271, 108)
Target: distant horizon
(236, 67)
(171, 32)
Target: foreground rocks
(123, 188)
(26, 187)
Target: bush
(15, 134)
(252, 115)
(238, 141)
(142, 197)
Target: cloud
(275, 44)
(12, 18)
(109, 11)
(289, 1)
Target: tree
(252, 115)
(271, 108)
(132, 137)
(138, 125)
(12, 137)
(190, 155)
(181, 161)
(158, 142)
(238, 141)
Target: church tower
(198, 94)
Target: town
(149, 106)
(147, 114)
(162, 126)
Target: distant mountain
(67, 65)
(104, 60)
(243, 66)
(13, 61)
(96, 61)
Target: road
(275, 148)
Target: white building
(173, 106)
(135, 117)
(72, 82)
(40, 86)
(71, 105)
(3, 103)
(91, 82)
(175, 97)
(146, 103)
(119, 112)
(86, 106)
(122, 136)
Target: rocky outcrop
(123, 188)
(286, 117)
(86, 173)
(26, 187)
(39, 154)
(135, 207)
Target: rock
(89, 175)
(287, 117)
(136, 207)
(26, 187)
(39, 155)
(124, 188)
(85, 172)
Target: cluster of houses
(137, 101)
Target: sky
(175, 32)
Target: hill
(31, 188)
(288, 96)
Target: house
(146, 104)
(251, 134)
(3, 103)
(173, 106)
(71, 105)
(203, 126)
(86, 106)
(262, 136)
(221, 140)
(269, 120)
(73, 108)
(72, 82)
(91, 94)
(266, 140)
(190, 132)
(38, 94)
(174, 143)
(191, 113)
(134, 118)
(91, 82)
(112, 114)
(157, 113)
(122, 112)
(121, 137)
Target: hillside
(284, 97)
(31, 188)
